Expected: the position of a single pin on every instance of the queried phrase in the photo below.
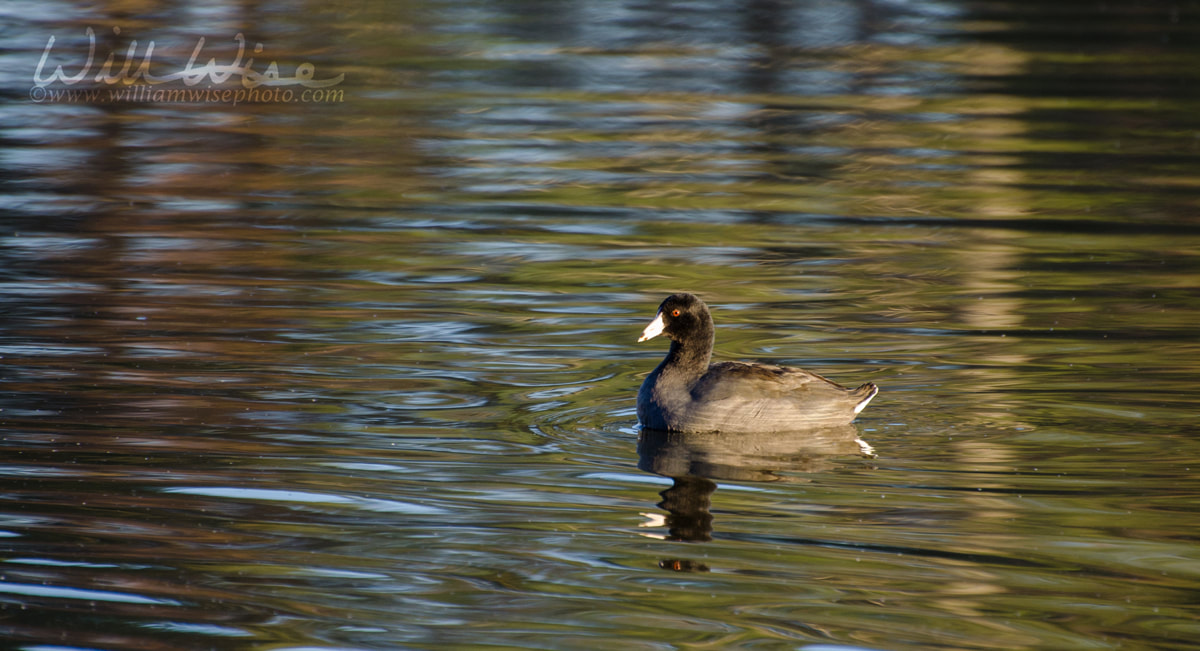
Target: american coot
(686, 394)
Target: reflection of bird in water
(682, 565)
(748, 457)
(687, 502)
(694, 460)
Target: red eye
(674, 312)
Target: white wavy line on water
(307, 497)
(58, 592)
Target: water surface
(360, 374)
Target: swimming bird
(686, 394)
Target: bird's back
(745, 397)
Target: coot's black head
(683, 318)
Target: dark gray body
(741, 397)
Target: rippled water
(360, 374)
